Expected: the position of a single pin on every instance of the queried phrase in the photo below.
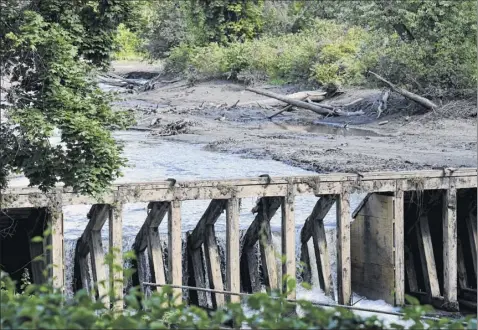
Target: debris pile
(175, 128)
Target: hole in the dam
(424, 247)
(17, 228)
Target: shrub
(42, 307)
(326, 53)
(129, 45)
(278, 18)
(171, 25)
(228, 20)
(425, 46)
(429, 46)
(341, 59)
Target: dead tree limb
(353, 102)
(289, 106)
(309, 99)
(115, 80)
(233, 106)
(412, 96)
(301, 104)
(313, 95)
(286, 108)
(383, 102)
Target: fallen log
(119, 82)
(113, 82)
(313, 107)
(353, 102)
(332, 107)
(412, 96)
(313, 95)
(129, 81)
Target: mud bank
(408, 140)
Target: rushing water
(153, 159)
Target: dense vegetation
(49, 52)
(42, 307)
(426, 46)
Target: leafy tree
(228, 20)
(49, 52)
(429, 46)
(171, 25)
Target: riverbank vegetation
(425, 46)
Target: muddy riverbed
(403, 138)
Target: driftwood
(119, 81)
(113, 82)
(284, 109)
(301, 104)
(309, 99)
(412, 96)
(383, 102)
(129, 81)
(313, 95)
(353, 102)
(233, 106)
(335, 106)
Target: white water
(153, 159)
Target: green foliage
(228, 20)
(170, 25)
(42, 307)
(129, 44)
(48, 53)
(326, 53)
(279, 18)
(198, 22)
(425, 46)
(428, 46)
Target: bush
(278, 18)
(129, 45)
(227, 20)
(42, 307)
(170, 26)
(441, 70)
(428, 46)
(425, 46)
(325, 53)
